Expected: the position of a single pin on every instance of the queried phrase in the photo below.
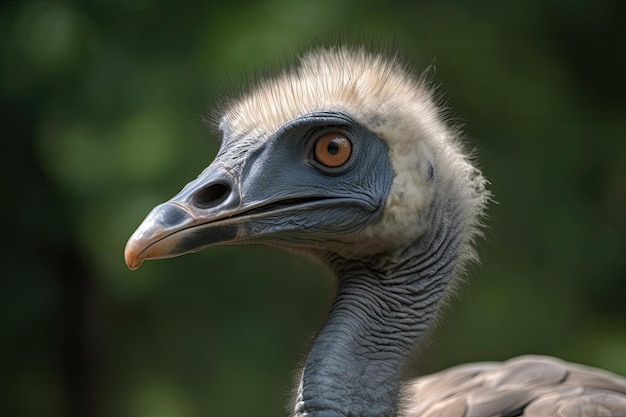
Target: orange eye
(333, 149)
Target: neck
(382, 308)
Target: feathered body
(348, 158)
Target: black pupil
(333, 148)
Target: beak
(190, 221)
(235, 203)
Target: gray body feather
(528, 386)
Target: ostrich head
(345, 154)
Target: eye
(332, 149)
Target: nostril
(211, 195)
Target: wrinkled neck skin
(382, 306)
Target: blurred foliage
(101, 108)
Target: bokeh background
(101, 104)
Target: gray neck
(382, 306)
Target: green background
(101, 104)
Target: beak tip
(131, 256)
(133, 264)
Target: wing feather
(527, 386)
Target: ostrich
(346, 158)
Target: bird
(348, 157)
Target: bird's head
(346, 154)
